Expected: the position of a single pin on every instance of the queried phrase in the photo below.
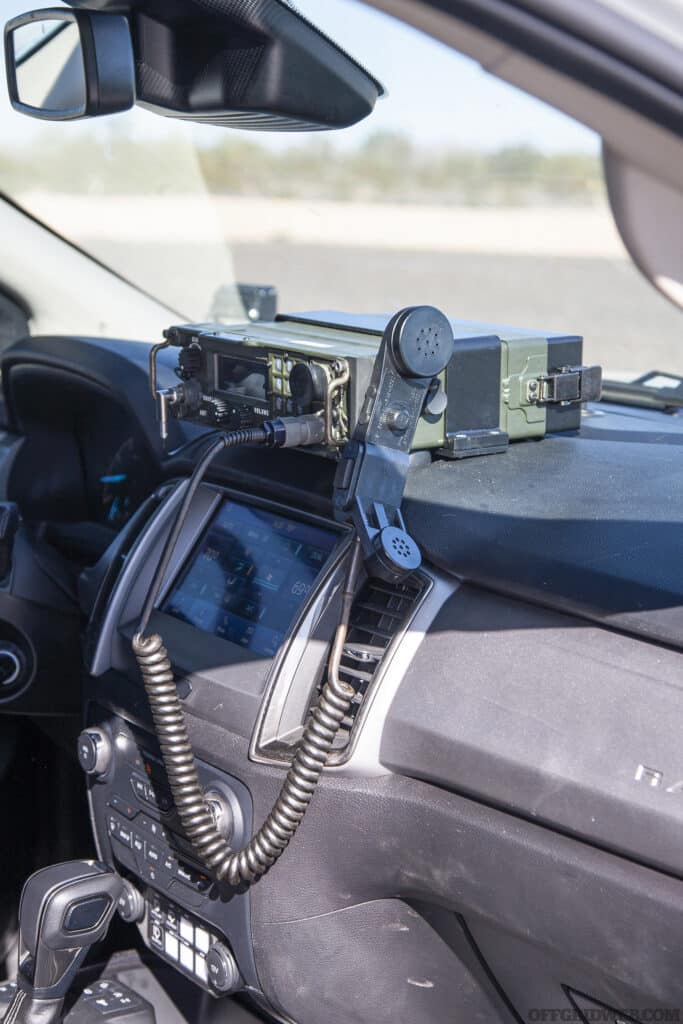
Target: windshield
(459, 191)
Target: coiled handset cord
(310, 757)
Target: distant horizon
(107, 132)
(385, 166)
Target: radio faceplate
(248, 378)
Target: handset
(416, 347)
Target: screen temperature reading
(250, 575)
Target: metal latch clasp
(566, 386)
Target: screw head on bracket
(421, 341)
(398, 419)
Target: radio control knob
(221, 967)
(308, 384)
(131, 903)
(215, 409)
(94, 752)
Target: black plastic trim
(577, 58)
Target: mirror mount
(260, 66)
(64, 65)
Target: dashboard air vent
(380, 613)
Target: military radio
(500, 384)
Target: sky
(438, 92)
(435, 96)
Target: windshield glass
(460, 191)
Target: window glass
(459, 191)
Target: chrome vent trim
(382, 650)
(381, 613)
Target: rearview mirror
(243, 65)
(252, 65)
(63, 65)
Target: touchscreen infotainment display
(250, 575)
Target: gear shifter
(64, 910)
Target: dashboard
(96, 461)
(486, 834)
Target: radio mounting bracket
(416, 347)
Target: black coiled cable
(243, 866)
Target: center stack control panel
(198, 926)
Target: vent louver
(380, 613)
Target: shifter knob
(64, 910)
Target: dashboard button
(187, 957)
(222, 969)
(191, 877)
(124, 835)
(172, 918)
(131, 904)
(141, 787)
(120, 830)
(200, 968)
(123, 807)
(152, 854)
(94, 752)
(151, 874)
(154, 828)
(202, 940)
(155, 905)
(171, 946)
(185, 874)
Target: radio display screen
(250, 575)
(247, 377)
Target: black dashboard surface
(589, 524)
(546, 715)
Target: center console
(247, 611)
(251, 593)
(181, 914)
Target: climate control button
(222, 970)
(95, 752)
(131, 904)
